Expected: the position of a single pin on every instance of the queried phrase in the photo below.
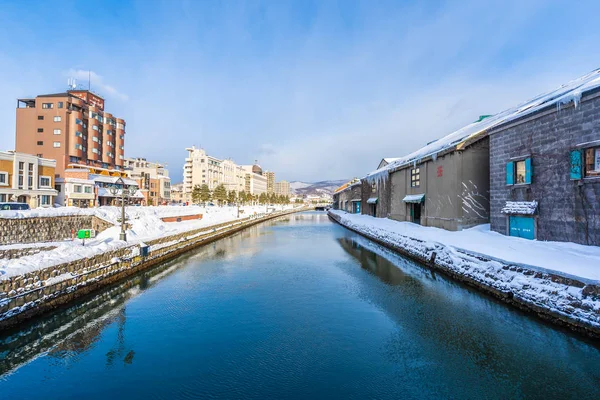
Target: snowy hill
(316, 188)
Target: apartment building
(270, 175)
(202, 169)
(233, 176)
(282, 188)
(152, 178)
(71, 128)
(27, 179)
(255, 181)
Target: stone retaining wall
(47, 229)
(30, 294)
(9, 254)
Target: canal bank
(296, 307)
(31, 294)
(564, 300)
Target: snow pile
(145, 225)
(570, 92)
(537, 286)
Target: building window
(77, 121)
(57, 188)
(56, 144)
(60, 104)
(77, 188)
(45, 181)
(415, 177)
(45, 200)
(57, 118)
(88, 189)
(77, 147)
(30, 182)
(95, 127)
(4, 178)
(518, 172)
(40, 130)
(40, 143)
(57, 131)
(40, 117)
(592, 162)
(47, 105)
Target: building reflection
(75, 329)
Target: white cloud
(96, 82)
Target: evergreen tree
(205, 194)
(220, 194)
(262, 199)
(231, 197)
(242, 197)
(197, 194)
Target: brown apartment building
(71, 128)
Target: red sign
(90, 98)
(440, 171)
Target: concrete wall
(568, 210)
(47, 229)
(456, 188)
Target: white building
(202, 169)
(255, 181)
(27, 179)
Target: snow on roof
(520, 207)
(570, 92)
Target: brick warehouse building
(71, 128)
(545, 168)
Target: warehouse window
(592, 161)
(415, 177)
(518, 172)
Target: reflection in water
(297, 307)
(75, 329)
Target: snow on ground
(566, 258)
(145, 225)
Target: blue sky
(312, 89)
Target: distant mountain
(316, 188)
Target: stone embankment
(563, 300)
(33, 293)
(47, 229)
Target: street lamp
(125, 194)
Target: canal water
(300, 308)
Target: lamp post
(125, 194)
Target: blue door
(357, 207)
(522, 227)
